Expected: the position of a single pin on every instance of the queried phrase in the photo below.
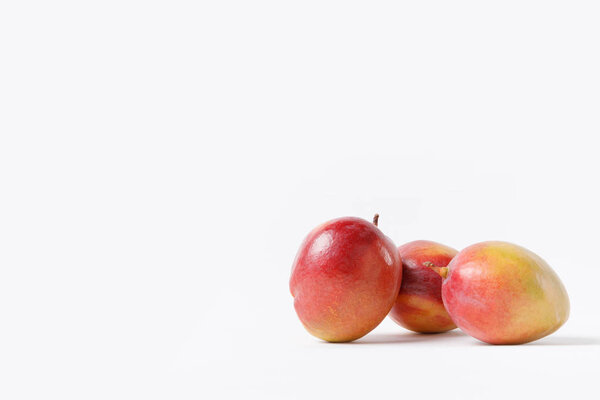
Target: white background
(161, 161)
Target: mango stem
(375, 219)
(442, 271)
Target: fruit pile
(347, 276)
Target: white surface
(160, 163)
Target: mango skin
(501, 293)
(419, 306)
(345, 279)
